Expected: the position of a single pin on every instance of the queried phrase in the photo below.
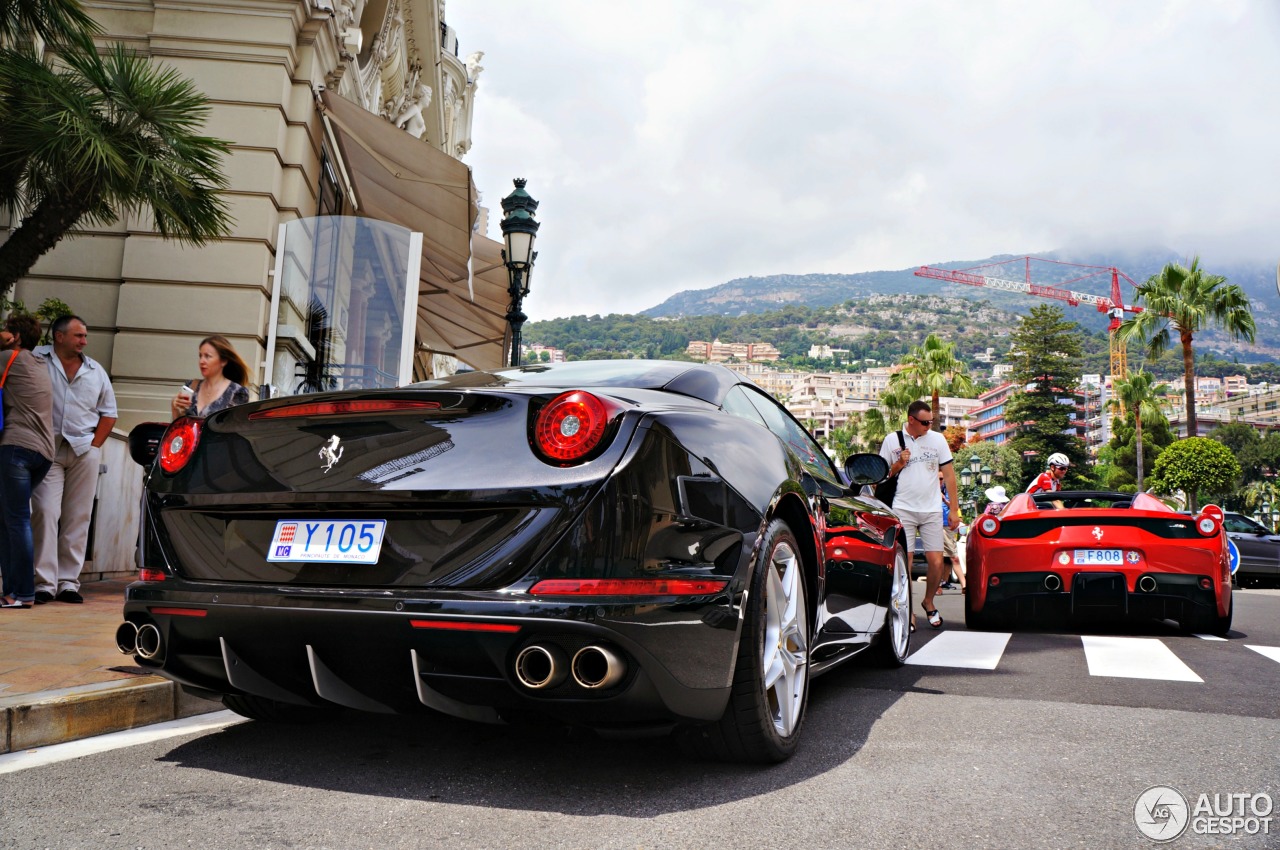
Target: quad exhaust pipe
(540, 666)
(148, 641)
(596, 667)
(127, 638)
(1052, 582)
(1147, 584)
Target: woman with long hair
(223, 374)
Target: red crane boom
(1114, 306)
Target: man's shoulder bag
(888, 488)
(3, 378)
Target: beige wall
(148, 301)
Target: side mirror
(866, 468)
(144, 441)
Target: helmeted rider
(1050, 481)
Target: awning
(406, 181)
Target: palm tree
(96, 137)
(52, 20)
(1137, 393)
(932, 368)
(1188, 300)
(878, 422)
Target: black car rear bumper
(1033, 595)
(455, 653)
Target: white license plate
(1099, 557)
(335, 541)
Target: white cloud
(677, 145)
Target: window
(330, 200)
(790, 431)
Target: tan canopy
(403, 180)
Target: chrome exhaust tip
(596, 667)
(127, 637)
(1147, 584)
(540, 666)
(148, 641)
(1052, 582)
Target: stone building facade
(267, 67)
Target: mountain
(761, 294)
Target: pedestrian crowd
(58, 409)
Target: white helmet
(1059, 459)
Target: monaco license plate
(336, 541)
(1099, 557)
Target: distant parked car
(1259, 550)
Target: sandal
(10, 602)
(935, 619)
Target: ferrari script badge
(1097, 531)
(331, 453)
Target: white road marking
(973, 650)
(1272, 652)
(27, 759)
(1134, 658)
(1209, 637)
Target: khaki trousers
(61, 508)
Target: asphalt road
(1035, 749)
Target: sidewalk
(62, 678)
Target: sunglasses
(1055, 466)
(923, 421)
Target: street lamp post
(986, 475)
(975, 464)
(519, 228)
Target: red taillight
(571, 426)
(151, 575)
(1206, 525)
(988, 526)
(180, 612)
(1206, 583)
(179, 443)
(464, 626)
(628, 587)
(337, 408)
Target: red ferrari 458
(1084, 555)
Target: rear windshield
(641, 374)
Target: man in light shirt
(917, 463)
(84, 411)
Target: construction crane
(1113, 306)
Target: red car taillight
(1206, 525)
(179, 443)
(628, 586)
(147, 574)
(339, 408)
(988, 526)
(571, 426)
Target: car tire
(893, 644)
(1215, 625)
(765, 715)
(976, 620)
(269, 710)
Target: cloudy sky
(677, 144)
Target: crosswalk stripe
(1272, 652)
(974, 650)
(1134, 658)
(1209, 637)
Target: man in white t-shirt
(917, 462)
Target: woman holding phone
(221, 383)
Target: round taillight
(1207, 526)
(179, 444)
(988, 525)
(571, 426)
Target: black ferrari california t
(624, 544)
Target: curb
(40, 719)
